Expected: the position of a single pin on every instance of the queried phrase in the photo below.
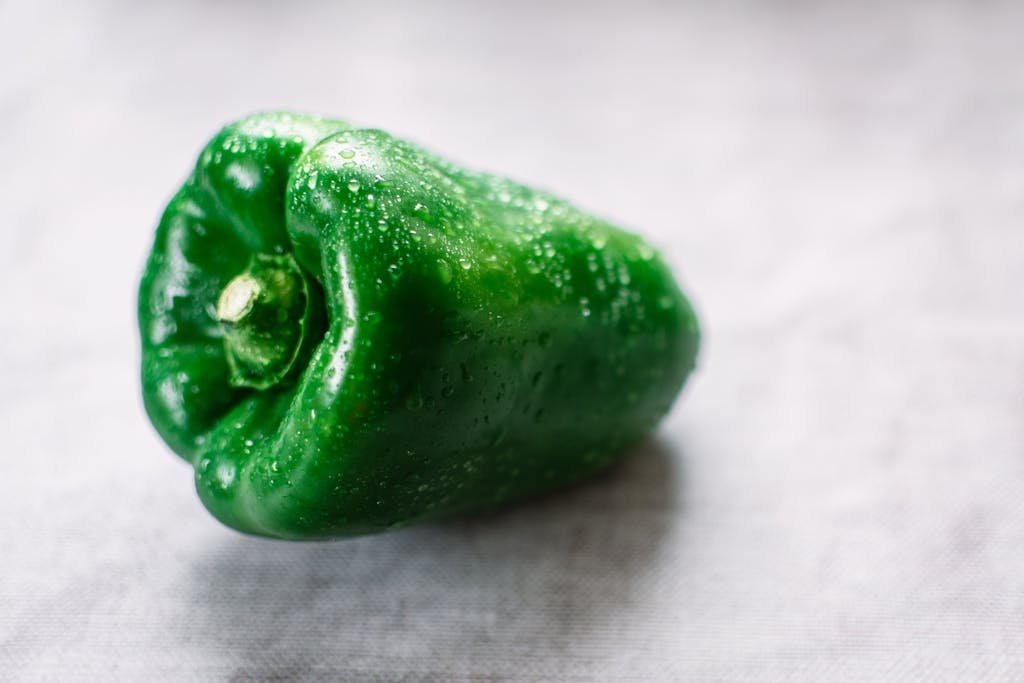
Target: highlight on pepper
(344, 333)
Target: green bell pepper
(344, 333)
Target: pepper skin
(344, 333)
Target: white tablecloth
(839, 494)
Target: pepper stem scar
(265, 315)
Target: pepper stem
(267, 314)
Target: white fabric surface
(839, 495)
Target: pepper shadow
(443, 600)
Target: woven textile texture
(838, 495)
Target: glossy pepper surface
(344, 333)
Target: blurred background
(838, 495)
